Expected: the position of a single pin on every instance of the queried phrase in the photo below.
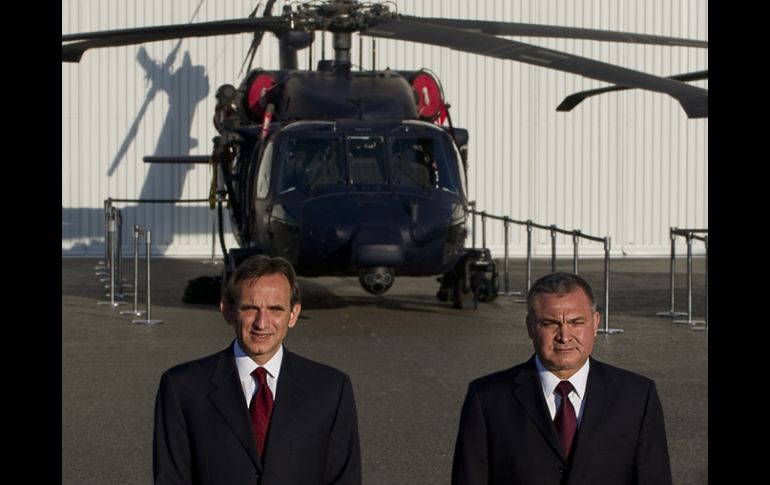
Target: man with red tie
(256, 413)
(562, 417)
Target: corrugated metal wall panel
(627, 165)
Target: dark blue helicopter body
(347, 180)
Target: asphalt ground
(410, 358)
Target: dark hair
(560, 284)
(255, 267)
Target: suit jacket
(507, 435)
(203, 432)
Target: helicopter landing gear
(473, 279)
(376, 280)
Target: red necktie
(564, 420)
(260, 409)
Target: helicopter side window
(448, 165)
(413, 164)
(367, 161)
(263, 177)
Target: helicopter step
(473, 279)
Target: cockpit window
(408, 160)
(310, 163)
(367, 161)
(413, 163)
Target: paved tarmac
(410, 358)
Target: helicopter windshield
(403, 160)
(310, 163)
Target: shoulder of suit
(619, 375)
(311, 369)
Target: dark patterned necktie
(565, 420)
(260, 409)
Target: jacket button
(563, 469)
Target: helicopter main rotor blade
(73, 51)
(537, 30)
(575, 99)
(693, 99)
(267, 12)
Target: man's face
(262, 315)
(563, 329)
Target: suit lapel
(598, 399)
(529, 393)
(288, 400)
(227, 397)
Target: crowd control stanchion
(705, 325)
(529, 255)
(117, 257)
(148, 256)
(607, 330)
(101, 266)
(111, 228)
(483, 230)
(528, 271)
(135, 311)
(575, 239)
(213, 259)
(689, 320)
(553, 248)
(109, 242)
(672, 277)
(505, 255)
(472, 205)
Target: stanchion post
(101, 266)
(689, 320)
(575, 239)
(553, 248)
(213, 243)
(472, 204)
(505, 257)
(111, 229)
(607, 330)
(529, 255)
(148, 255)
(705, 325)
(119, 254)
(135, 239)
(672, 276)
(483, 230)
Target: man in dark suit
(216, 421)
(516, 428)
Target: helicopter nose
(378, 247)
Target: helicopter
(363, 173)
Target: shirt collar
(549, 381)
(246, 364)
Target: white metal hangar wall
(626, 165)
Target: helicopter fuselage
(347, 180)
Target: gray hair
(560, 284)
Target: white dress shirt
(549, 381)
(246, 366)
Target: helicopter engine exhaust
(376, 280)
